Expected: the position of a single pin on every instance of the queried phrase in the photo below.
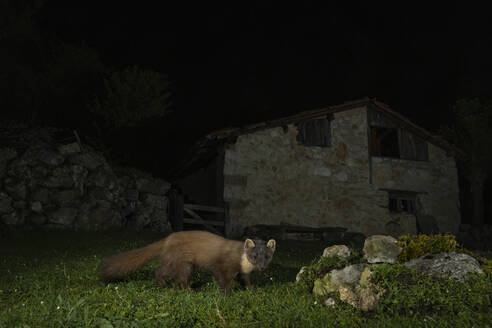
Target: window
(401, 201)
(314, 132)
(397, 143)
(384, 142)
(398, 204)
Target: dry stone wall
(45, 185)
(269, 178)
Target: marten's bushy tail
(120, 265)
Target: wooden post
(177, 203)
(227, 220)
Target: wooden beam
(201, 220)
(204, 208)
(197, 221)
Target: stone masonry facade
(269, 178)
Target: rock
(42, 195)
(330, 301)
(19, 169)
(63, 197)
(5, 204)
(19, 204)
(13, 219)
(71, 148)
(368, 299)
(347, 295)
(100, 193)
(130, 194)
(50, 157)
(160, 221)
(348, 276)
(39, 172)
(159, 202)
(15, 188)
(37, 207)
(60, 178)
(90, 160)
(340, 251)
(365, 277)
(453, 265)
(333, 280)
(64, 216)
(79, 176)
(381, 249)
(299, 274)
(155, 186)
(102, 177)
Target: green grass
(49, 280)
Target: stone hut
(358, 165)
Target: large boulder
(381, 249)
(333, 280)
(452, 265)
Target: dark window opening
(397, 143)
(401, 204)
(314, 132)
(384, 142)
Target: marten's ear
(248, 243)
(271, 244)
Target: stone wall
(270, 179)
(47, 185)
(437, 179)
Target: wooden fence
(213, 218)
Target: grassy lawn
(49, 280)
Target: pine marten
(181, 251)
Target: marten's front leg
(246, 279)
(224, 279)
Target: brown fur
(180, 252)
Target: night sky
(233, 64)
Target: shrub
(133, 96)
(414, 246)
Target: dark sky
(262, 58)
(233, 63)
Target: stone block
(159, 202)
(5, 203)
(89, 160)
(64, 216)
(71, 148)
(235, 180)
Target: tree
(42, 80)
(471, 132)
(132, 97)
